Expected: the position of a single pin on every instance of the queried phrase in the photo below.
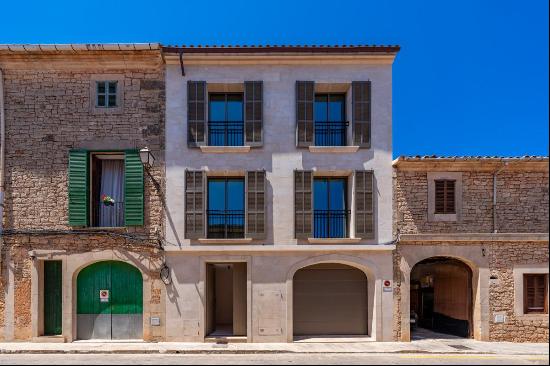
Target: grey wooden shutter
(196, 113)
(361, 113)
(255, 204)
(194, 204)
(305, 95)
(253, 112)
(303, 204)
(364, 204)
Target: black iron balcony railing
(230, 133)
(330, 223)
(111, 215)
(225, 224)
(330, 133)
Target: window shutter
(194, 204)
(364, 204)
(196, 113)
(253, 112)
(445, 197)
(133, 189)
(361, 113)
(535, 293)
(78, 188)
(303, 204)
(255, 204)
(305, 95)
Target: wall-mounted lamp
(147, 157)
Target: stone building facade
(51, 111)
(500, 231)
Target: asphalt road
(271, 359)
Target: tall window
(535, 293)
(106, 94)
(330, 120)
(330, 214)
(107, 190)
(225, 208)
(445, 196)
(225, 125)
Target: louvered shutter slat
(364, 204)
(255, 204)
(196, 113)
(305, 95)
(133, 189)
(361, 113)
(253, 116)
(78, 188)
(194, 204)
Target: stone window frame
(432, 177)
(119, 78)
(518, 272)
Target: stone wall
(49, 109)
(522, 203)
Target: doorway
(226, 300)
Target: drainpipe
(495, 229)
(2, 149)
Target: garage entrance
(441, 297)
(330, 299)
(110, 301)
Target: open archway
(330, 299)
(441, 298)
(110, 301)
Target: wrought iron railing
(330, 223)
(111, 215)
(330, 133)
(226, 133)
(225, 224)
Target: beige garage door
(330, 299)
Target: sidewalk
(464, 346)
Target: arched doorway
(110, 301)
(330, 299)
(441, 298)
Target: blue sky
(471, 79)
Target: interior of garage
(226, 300)
(330, 300)
(441, 297)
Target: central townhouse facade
(279, 192)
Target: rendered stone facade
(49, 110)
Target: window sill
(226, 241)
(333, 149)
(334, 240)
(225, 149)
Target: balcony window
(225, 214)
(330, 215)
(330, 120)
(225, 124)
(107, 190)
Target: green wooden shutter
(133, 189)
(303, 204)
(255, 204)
(305, 95)
(196, 113)
(52, 297)
(253, 112)
(364, 204)
(78, 188)
(361, 113)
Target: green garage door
(110, 301)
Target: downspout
(495, 228)
(2, 149)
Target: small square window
(106, 94)
(535, 293)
